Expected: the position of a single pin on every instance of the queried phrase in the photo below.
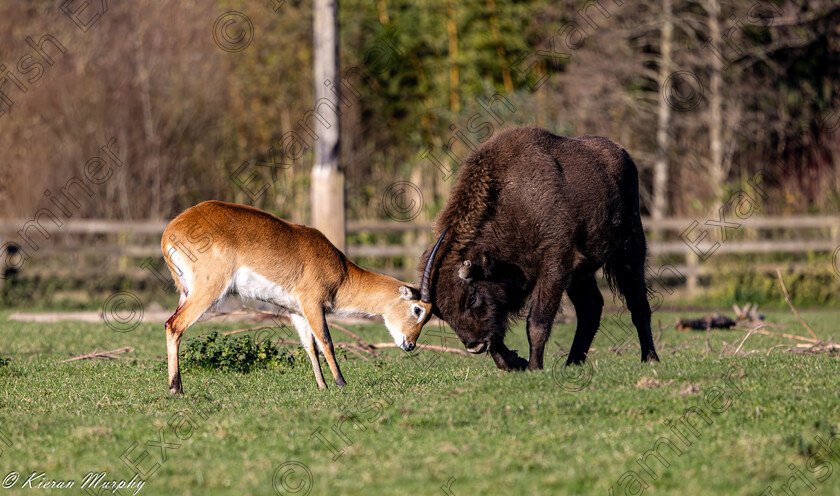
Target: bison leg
(586, 297)
(631, 282)
(540, 321)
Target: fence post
(693, 263)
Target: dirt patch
(647, 383)
(690, 389)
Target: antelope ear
(409, 293)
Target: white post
(327, 193)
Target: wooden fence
(121, 247)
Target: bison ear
(464, 271)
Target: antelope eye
(471, 301)
(417, 311)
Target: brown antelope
(216, 248)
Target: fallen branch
(250, 329)
(758, 330)
(424, 347)
(828, 346)
(105, 355)
(353, 335)
(821, 347)
(353, 347)
(353, 351)
(357, 348)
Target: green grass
(423, 422)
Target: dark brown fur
(536, 215)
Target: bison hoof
(508, 360)
(519, 364)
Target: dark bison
(533, 215)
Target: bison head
(476, 295)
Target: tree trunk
(717, 173)
(661, 165)
(327, 193)
(452, 30)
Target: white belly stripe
(250, 284)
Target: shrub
(221, 352)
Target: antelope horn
(425, 295)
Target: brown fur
(216, 239)
(536, 215)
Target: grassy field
(428, 424)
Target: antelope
(215, 248)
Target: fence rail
(671, 223)
(755, 235)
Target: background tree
(187, 114)
(327, 178)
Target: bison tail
(610, 277)
(622, 274)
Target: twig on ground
(790, 304)
(708, 346)
(723, 348)
(742, 343)
(106, 355)
(776, 346)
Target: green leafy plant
(221, 352)
(818, 286)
